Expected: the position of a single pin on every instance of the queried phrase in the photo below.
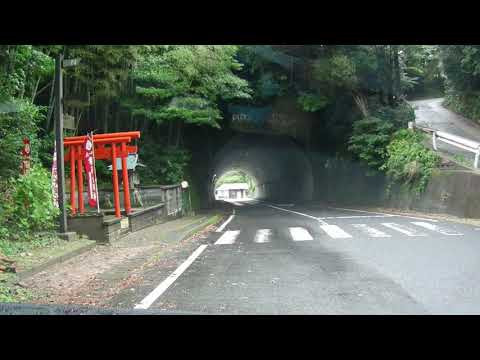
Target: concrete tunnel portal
(278, 166)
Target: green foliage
(422, 73)
(408, 161)
(399, 116)
(22, 68)
(14, 127)
(185, 83)
(27, 205)
(14, 294)
(311, 102)
(369, 140)
(164, 165)
(336, 72)
(461, 64)
(236, 176)
(466, 104)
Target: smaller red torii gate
(106, 148)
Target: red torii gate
(102, 152)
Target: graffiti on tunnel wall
(263, 119)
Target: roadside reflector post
(434, 140)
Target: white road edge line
(299, 213)
(220, 229)
(165, 284)
(379, 213)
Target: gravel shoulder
(94, 277)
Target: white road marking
(299, 213)
(263, 236)
(356, 217)
(403, 229)
(165, 284)
(436, 228)
(379, 213)
(300, 234)
(370, 231)
(335, 232)
(228, 238)
(220, 229)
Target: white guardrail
(457, 141)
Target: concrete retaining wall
(340, 182)
(453, 192)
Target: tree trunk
(170, 132)
(105, 118)
(397, 89)
(179, 134)
(50, 107)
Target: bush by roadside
(27, 207)
(467, 105)
(409, 162)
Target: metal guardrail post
(434, 140)
(477, 155)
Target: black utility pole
(59, 142)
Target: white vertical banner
(89, 162)
(55, 176)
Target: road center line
(220, 229)
(165, 284)
(299, 213)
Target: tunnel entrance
(278, 167)
(235, 185)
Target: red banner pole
(72, 179)
(81, 205)
(116, 196)
(126, 189)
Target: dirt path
(96, 276)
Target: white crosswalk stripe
(228, 237)
(335, 232)
(300, 234)
(404, 229)
(263, 236)
(370, 231)
(436, 228)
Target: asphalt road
(432, 114)
(313, 259)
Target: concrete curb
(210, 220)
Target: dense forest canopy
(356, 94)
